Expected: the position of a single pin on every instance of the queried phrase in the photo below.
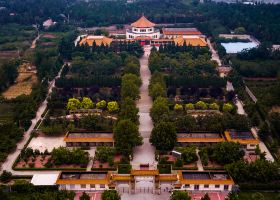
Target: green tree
(164, 136)
(126, 137)
(87, 103)
(227, 107)
(104, 153)
(201, 105)
(178, 107)
(101, 104)
(240, 30)
(113, 106)
(189, 154)
(157, 90)
(232, 196)
(132, 68)
(180, 195)
(221, 152)
(159, 110)
(5, 176)
(73, 104)
(129, 110)
(84, 196)
(189, 106)
(258, 196)
(110, 195)
(214, 106)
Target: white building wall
(132, 35)
(78, 187)
(203, 188)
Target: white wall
(155, 35)
(78, 187)
(211, 188)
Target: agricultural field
(15, 39)
(24, 82)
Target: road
(215, 55)
(7, 165)
(146, 152)
(33, 45)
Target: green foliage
(110, 195)
(73, 104)
(164, 136)
(8, 73)
(227, 107)
(188, 154)
(180, 195)
(201, 105)
(130, 86)
(5, 176)
(214, 106)
(260, 171)
(113, 106)
(159, 110)
(157, 86)
(189, 106)
(62, 155)
(257, 196)
(101, 104)
(86, 103)
(240, 30)
(126, 137)
(84, 196)
(103, 154)
(54, 129)
(178, 107)
(220, 152)
(96, 123)
(129, 110)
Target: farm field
(23, 85)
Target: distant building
(246, 138)
(88, 139)
(171, 33)
(83, 181)
(144, 29)
(199, 138)
(190, 40)
(97, 39)
(48, 23)
(205, 181)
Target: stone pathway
(199, 163)
(215, 55)
(145, 153)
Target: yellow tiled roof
(97, 39)
(200, 139)
(193, 41)
(143, 22)
(144, 172)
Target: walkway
(199, 163)
(33, 45)
(146, 153)
(215, 55)
(7, 165)
(262, 146)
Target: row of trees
(126, 134)
(200, 105)
(8, 73)
(86, 103)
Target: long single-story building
(199, 138)
(205, 181)
(88, 138)
(245, 138)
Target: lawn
(267, 195)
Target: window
(217, 186)
(72, 186)
(186, 186)
(142, 30)
(83, 185)
(206, 186)
(252, 145)
(63, 187)
(102, 186)
(196, 187)
(225, 187)
(92, 186)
